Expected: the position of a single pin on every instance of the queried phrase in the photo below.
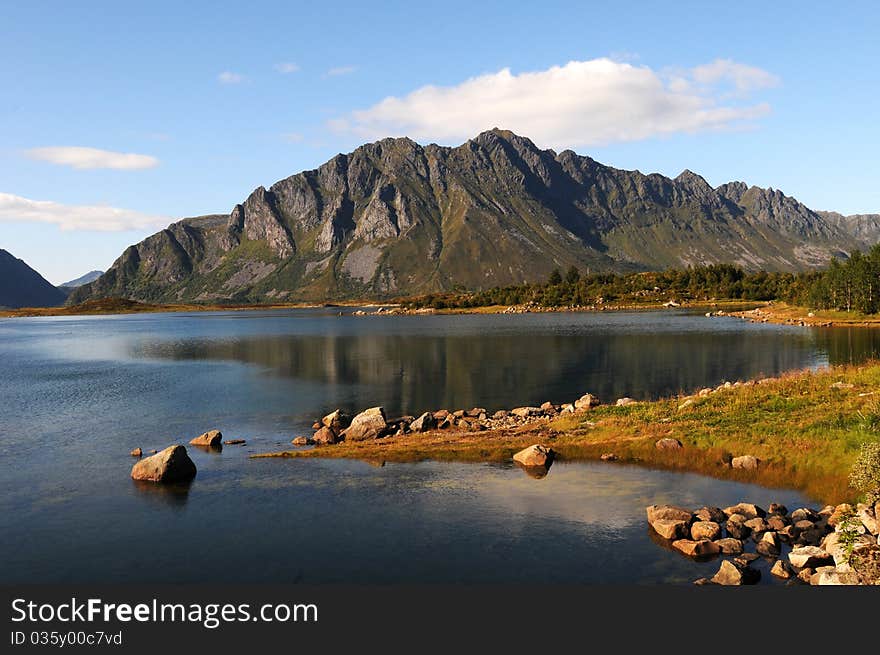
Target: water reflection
(410, 372)
(171, 495)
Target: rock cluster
(817, 554)
(373, 423)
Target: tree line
(851, 284)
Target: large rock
(336, 420)
(423, 423)
(536, 455)
(668, 512)
(696, 548)
(623, 402)
(729, 574)
(781, 570)
(809, 557)
(705, 530)
(586, 401)
(804, 514)
(823, 578)
(747, 462)
(210, 439)
(840, 512)
(369, 424)
(167, 466)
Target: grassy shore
(805, 431)
(785, 314)
(125, 306)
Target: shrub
(865, 473)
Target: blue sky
(116, 118)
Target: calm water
(76, 394)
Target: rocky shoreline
(831, 546)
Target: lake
(78, 393)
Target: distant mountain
(22, 286)
(396, 218)
(91, 276)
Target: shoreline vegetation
(803, 429)
(845, 293)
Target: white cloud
(228, 77)
(286, 67)
(582, 103)
(90, 158)
(745, 79)
(97, 218)
(341, 70)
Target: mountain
(91, 276)
(396, 218)
(22, 286)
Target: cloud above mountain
(97, 218)
(83, 158)
(583, 103)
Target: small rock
(210, 439)
(441, 414)
(777, 522)
(705, 530)
(730, 546)
(303, 441)
(842, 385)
(316, 425)
(423, 423)
(336, 420)
(668, 444)
(744, 559)
(804, 514)
(768, 545)
(748, 510)
(325, 436)
(608, 457)
(687, 403)
(776, 508)
(536, 455)
(869, 518)
(703, 581)
(623, 402)
(671, 529)
(137, 452)
(736, 527)
(168, 466)
(781, 570)
(757, 525)
(729, 574)
(699, 548)
(715, 514)
(234, 442)
(525, 412)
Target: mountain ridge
(22, 286)
(396, 218)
